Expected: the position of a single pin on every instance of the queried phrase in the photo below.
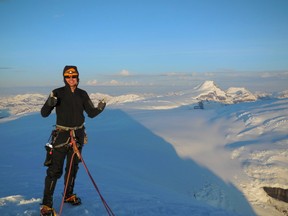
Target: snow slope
(156, 155)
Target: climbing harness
(73, 143)
(60, 127)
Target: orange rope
(66, 185)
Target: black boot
(47, 211)
(73, 199)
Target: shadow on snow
(138, 172)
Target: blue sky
(130, 37)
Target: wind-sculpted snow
(258, 139)
(18, 199)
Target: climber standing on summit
(70, 103)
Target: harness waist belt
(69, 128)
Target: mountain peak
(207, 85)
(210, 91)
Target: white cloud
(119, 83)
(125, 73)
(114, 82)
(175, 74)
(274, 74)
(92, 82)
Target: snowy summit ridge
(207, 86)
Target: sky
(132, 37)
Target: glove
(52, 100)
(101, 105)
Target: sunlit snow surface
(155, 154)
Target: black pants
(55, 170)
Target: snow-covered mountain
(211, 92)
(22, 104)
(239, 95)
(207, 92)
(283, 94)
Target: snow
(154, 154)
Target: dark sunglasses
(67, 77)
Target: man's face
(72, 80)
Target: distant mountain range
(207, 91)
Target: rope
(108, 209)
(77, 152)
(66, 185)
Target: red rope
(66, 185)
(76, 151)
(108, 209)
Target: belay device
(49, 148)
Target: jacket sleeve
(46, 109)
(89, 107)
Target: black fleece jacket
(70, 107)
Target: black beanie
(70, 69)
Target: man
(70, 103)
